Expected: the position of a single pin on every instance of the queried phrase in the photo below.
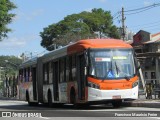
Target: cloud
(13, 43)
(146, 3)
(17, 42)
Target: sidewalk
(143, 102)
(8, 98)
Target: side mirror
(85, 70)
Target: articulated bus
(88, 71)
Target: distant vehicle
(88, 71)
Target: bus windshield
(111, 63)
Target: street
(20, 110)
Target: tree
(79, 26)
(5, 17)
(10, 69)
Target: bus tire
(28, 100)
(73, 99)
(117, 103)
(72, 96)
(50, 104)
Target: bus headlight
(93, 85)
(134, 84)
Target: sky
(34, 15)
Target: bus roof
(97, 43)
(29, 62)
(78, 47)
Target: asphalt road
(20, 110)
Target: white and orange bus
(88, 71)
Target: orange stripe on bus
(96, 43)
(114, 84)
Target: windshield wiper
(118, 70)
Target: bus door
(55, 80)
(34, 82)
(81, 76)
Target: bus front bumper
(98, 95)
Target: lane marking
(155, 118)
(44, 118)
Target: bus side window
(50, 72)
(23, 79)
(46, 73)
(21, 75)
(62, 70)
(70, 68)
(30, 74)
(74, 67)
(27, 74)
(26, 78)
(29, 70)
(24, 75)
(67, 69)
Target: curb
(6, 98)
(150, 104)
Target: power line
(135, 11)
(139, 11)
(116, 15)
(131, 12)
(147, 7)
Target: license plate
(116, 97)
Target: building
(147, 48)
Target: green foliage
(5, 17)
(9, 68)
(79, 26)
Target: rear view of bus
(111, 72)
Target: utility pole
(123, 25)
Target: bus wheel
(72, 96)
(28, 100)
(50, 104)
(73, 99)
(117, 103)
